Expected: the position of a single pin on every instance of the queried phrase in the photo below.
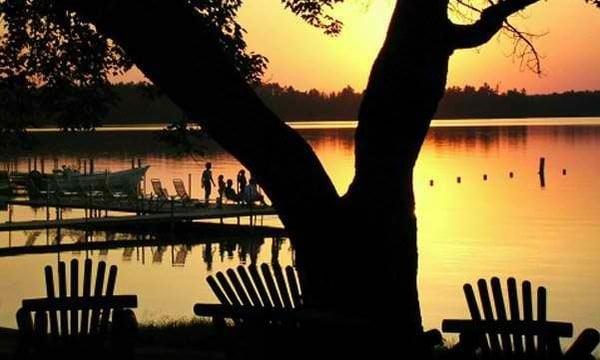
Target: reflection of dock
(211, 233)
(189, 214)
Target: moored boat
(69, 181)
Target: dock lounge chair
(81, 324)
(490, 334)
(181, 191)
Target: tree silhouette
(181, 50)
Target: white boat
(73, 182)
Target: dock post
(459, 180)
(133, 163)
(84, 167)
(564, 171)
(542, 165)
(190, 185)
(172, 214)
(91, 166)
(139, 162)
(28, 165)
(485, 177)
(42, 165)
(35, 163)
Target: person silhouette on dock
(241, 181)
(251, 194)
(207, 181)
(230, 193)
(221, 189)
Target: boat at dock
(70, 181)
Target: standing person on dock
(207, 181)
(241, 181)
(221, 187)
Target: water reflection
(504, 226)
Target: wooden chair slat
(62, 293)
(228, 289)
(283, 290)
(501, 314)
(249, 286)
(50, 295)
(476, 316)
(74, 314)
(260, 286)
(239, 289)
(513, 300)
(98, 288)
(294, 286)
(488, 314)
(217, 291)
(528, 316)
(266, 272)
(110, 290)
(87, 284)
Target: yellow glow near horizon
(305, 58)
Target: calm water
(503, 226)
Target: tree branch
(491, 21)
(173, 46)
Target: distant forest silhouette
(139, 103)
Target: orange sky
(303, 57)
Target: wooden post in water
(430, 182)
(42, 166)
(485, 177)
(542, 167)
(28, 165)
(139, 162)
(91, 166)
(84, 167)
(459, 180)
(35, 163)
(564, 171)
(133, 163)
(190, 185)
(511, 175)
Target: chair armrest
(584, 345)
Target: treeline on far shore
(142, 103)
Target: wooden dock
(176, 215)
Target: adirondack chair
(94, 325)
(247, 297)
(267, 303)
(489, 336)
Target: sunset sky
(305, 58)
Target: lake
(503, 226)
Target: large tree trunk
(406, 83)
(173, 47)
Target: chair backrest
(247, 288)
(70, 312)
(180, 189)
(520, 335)
(157, 188)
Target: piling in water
(542, 166)
(458, 179)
